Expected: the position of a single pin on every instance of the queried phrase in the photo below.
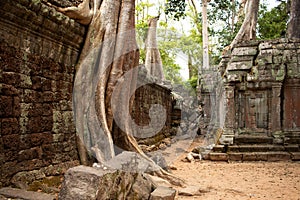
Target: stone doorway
(253, 112)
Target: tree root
(82, 14)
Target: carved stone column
(275, 125)
(229, 125)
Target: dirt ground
(241, 180)
(250, 180)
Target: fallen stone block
(88, 183)
(163, 193)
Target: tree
(153, 62)
(248, 28)
(229, 15)
(293, 30)
(205, 35)
(105, 80)
(167, 45)
(272, 24)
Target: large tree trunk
(293, 30)
(153, 62)
(110, 53)
(248, 28)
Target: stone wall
(39, 48)
(261, 83)
(38, 52)
(150, 93)
(155, 95)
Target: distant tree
(153, 61)
(167, 44)
(175, 8)
(272, 24)
(229, 15)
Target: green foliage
(167, 42)
(171, 69)
(272, 24)
(223, 20)
(193, 82)
(175, 8)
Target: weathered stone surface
(157, 181)
(218, 156)
(244, 51)
(159, 159)
(163, 193)
(124, 185)
(37, 75)
(84, 182)
(81, 183)
(132, 162)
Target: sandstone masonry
(39, 48)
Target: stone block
(279, 156)
(84, 182)
(235, 156)
(48, 96)
(249, 157)
(234, 77)
(244, 51)
(262, 156)
(6, 106)
(25, 81)
(11, 142)
(37, 139)
(29, 154)
(31, 96)
(9, 126)
(163, 193)
(218, 156)
(265, 45)
(241, 58)
(242, 65)
(11, 78)
(262, 60)
(295, 156)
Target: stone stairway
(255, 148)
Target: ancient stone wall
(261, 83)
(38, 52)
(39, 48)
(155, 95)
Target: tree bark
(110, 52)
(205, 35)
(248, 28)
(153, 62)
(293, 30)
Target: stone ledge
(43, 20)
